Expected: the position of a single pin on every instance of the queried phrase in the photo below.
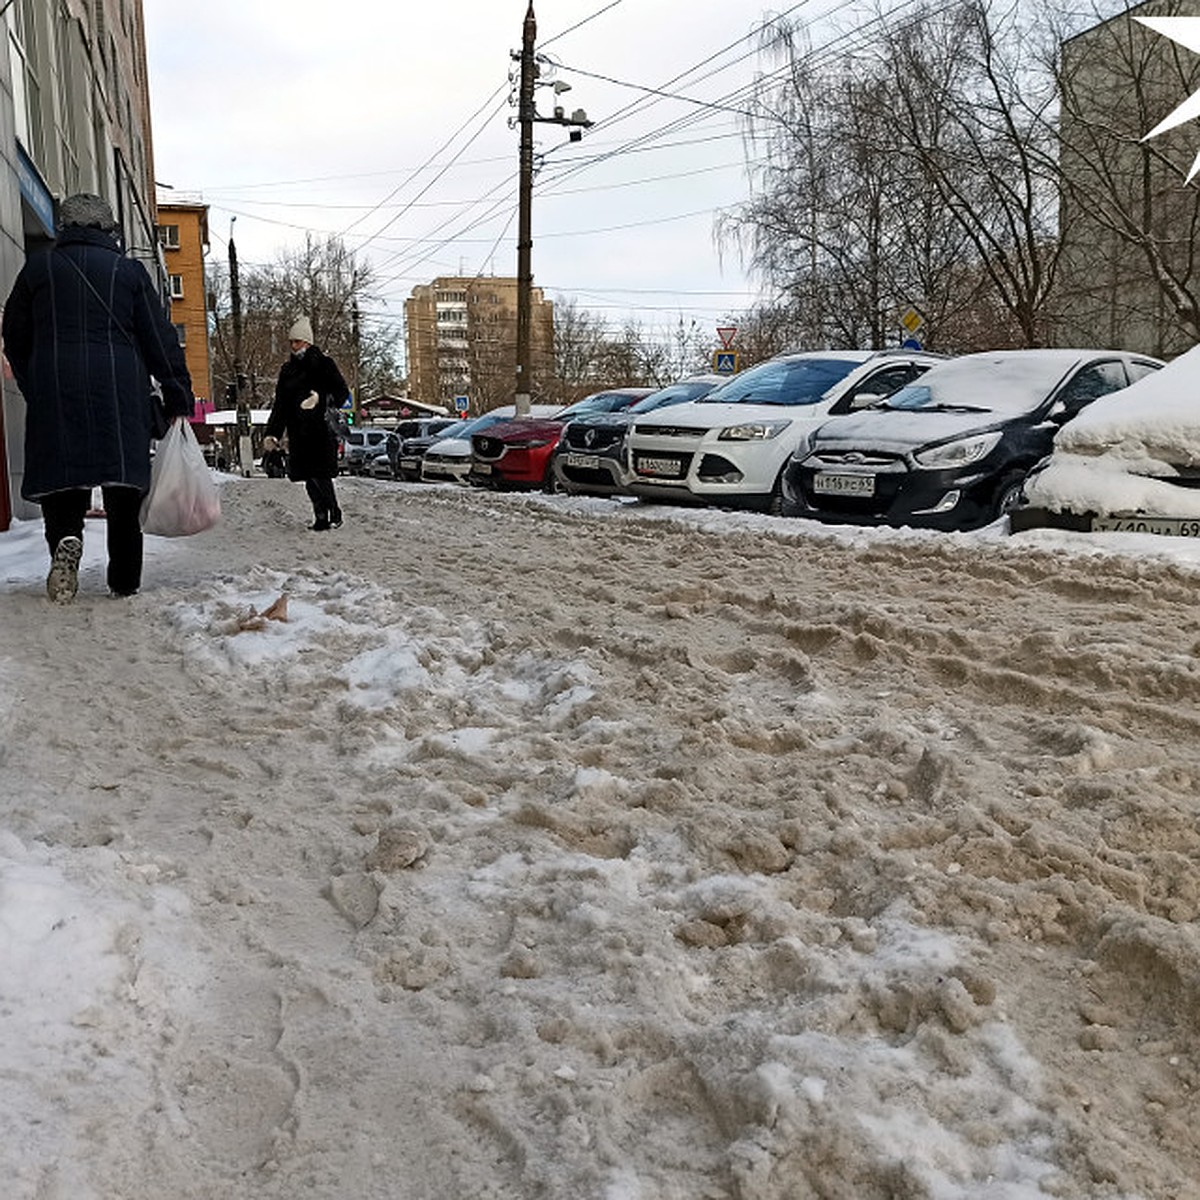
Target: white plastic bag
(183, 498)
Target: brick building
(462, 341)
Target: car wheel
(1008, 496)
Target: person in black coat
(84, 330)
(308, 395)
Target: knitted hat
(85, 209)
(301, 331)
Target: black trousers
(63, 514)
(324, 499)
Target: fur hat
(88, 210)
(301, 331)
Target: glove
(269, 444)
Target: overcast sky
(386, 121)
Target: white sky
(291, 121)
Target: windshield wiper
(963, 408)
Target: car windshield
(675, 393)
(454, 429)
(600, 402)
(1008, 384)
(785, 381)
(476, 424)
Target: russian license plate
(831, 484)
(408, 464)
(584, 461)
(1168, 526)
(481, 468)
(672, 468)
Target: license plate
(1167, 526)
(481, 468)
(843, 485)
(585, 461)
(408, 464)
(670, 467)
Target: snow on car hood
(453, 447)
(1151, 423)
(1104, 484)
(901, 430)
(522, 428)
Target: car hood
(612, 420)
(454, 447)
(1107, 484)
(702, 417)
(900, 430)
(520, 430)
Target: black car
(591, 459)
(952, 449)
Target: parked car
(380, 467)
(952, 449)
(1128, 463)
(449, 459)
(517, 454)
(362, 445)
(590, 458)
(412, 444)
(730, 447)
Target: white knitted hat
(301, 331)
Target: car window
(1139, 369)
(1089, 384)
(783, 381)
(355, 439)
(879, 385)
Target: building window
(176, 287)
(168, 236)
(181, 333)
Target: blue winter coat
(83, 358)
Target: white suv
(362, 445)
(730, 447)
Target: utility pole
(526, 116)
(245, 441)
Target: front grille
(590, 439)
(669, 431)
(487, 448)
(857, 458)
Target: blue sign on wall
(34, 192)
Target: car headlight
(753, 431)
(960, 453)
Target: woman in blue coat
(84, 330)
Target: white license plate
(670, 467)
(584, 461)
(481, 468)
(408, 464)
(831, 484)
(1168, 526)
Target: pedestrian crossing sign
(725, 362)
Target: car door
(1032, 440)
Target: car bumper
(944, 500)
(589, 474)
(720, 473)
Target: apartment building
(74, 117)
(183, 237)
(462, 341)
(1130, 272)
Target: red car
(517, 453)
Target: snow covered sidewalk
(581, 849)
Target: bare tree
(1130, 221)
